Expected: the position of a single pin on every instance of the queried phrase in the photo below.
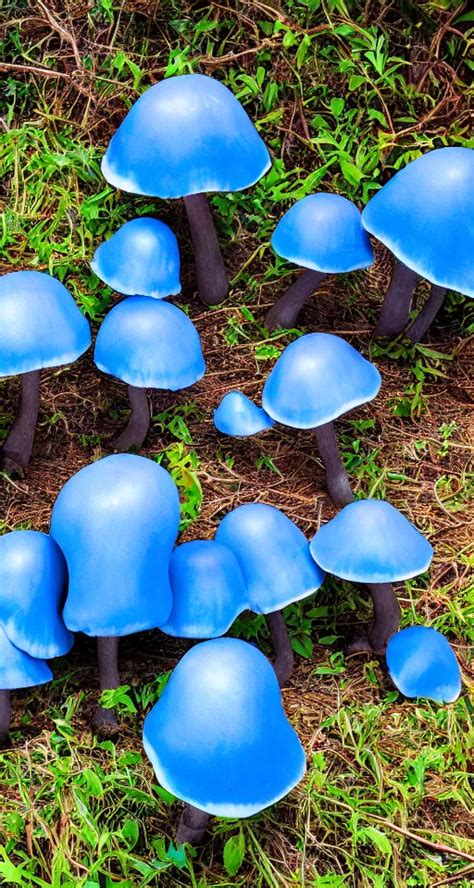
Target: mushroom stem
(285, 312)
(387, 615)
(427, 314)
(137, 427)
(212, 281)
(105, 721)
(18, 445)
(284, 657)
(395, 311)
(5, 710)
(336, 475)
(192, 826)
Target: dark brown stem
(192, 826)
(5, 713)
(212, 281)
(285, 312)
(387, 615)
(105, 721)
(422, 323)
(137, 427)
(284, 657)
(395, 311)
(18, 445)
(336, 476)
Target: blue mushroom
(371, 542)
(424, 216)
(317, 379)
(323, 233)
(208, 590)
(40, 326)
(218, 738)
(140, 259)
(277, 568)
(422, 663)
(147, 343)
(116, 521)
(239, 417)
(183, 137)
(33, 585)
(17, 670)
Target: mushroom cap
(40, 324)
(140, 259)
(239, 417)
(149, 344)
(273, 554)
(18, 669)
(208, 590)
(33, 584)
(185, 135)
(116, 521)
(323, 232)
(369, 541)
(316, 379)
(218, 738)
(422, 663)
(424, 216)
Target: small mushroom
(40, 326)
(218, 738)
(17, 670)
(140, 259)
(147, 343)
(323, 233)
(424, 216)
(317, 379)
(33, 581)
(116, 520)
(183, 137)
(239, 417)
(371, 542)
(276, 564)
(208, 590)
(422, 663)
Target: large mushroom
(372, 543)
(322, 233)
(424, 216)
(116, 520)
(40, 326)
(276, 564)
(147, 343)
(317, 379)
(422, 663)
(33, 582)
(140, 259)
(183, 137)
(218, 738)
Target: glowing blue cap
(140, 259)
(323, 232)
(424, 216)
(316, 379)
(422, 663)
(185, 135)
(150, 344)
(218, 737)
(40, 324)
(369, 541)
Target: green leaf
(355, 81)
(378, 838)
(234, 850)
(337, 106)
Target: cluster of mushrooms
(218, 738)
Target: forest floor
(343, 94)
